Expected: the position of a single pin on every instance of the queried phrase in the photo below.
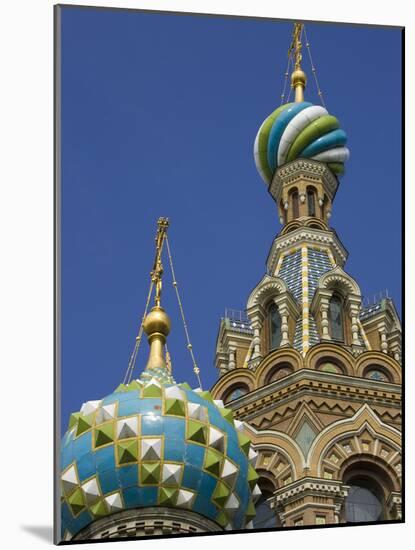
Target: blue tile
(131, 496)
(175, 428)
(234, 452)
(193, 397)
(66, 515)
(151, 424)
(66, 455)
(86, 466)
(204, 507)
(104, 459)
(109, 481)
(128, 396)
(207, 485)
(112, 398)
(81, 521)
(128, 476)
(174, 449)
(148, 496)
(191, 477)
(82, 445)
(195, 455)
(135, 406)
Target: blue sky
(159, 116)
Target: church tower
(314, 374)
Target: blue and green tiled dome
(156, 443)
(299, 130)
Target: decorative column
(324, 308)
(232, 359)
(354, 315)
(284, 326)
(256, 340)
(394, 505)
(383, 338)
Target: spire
(157, 322)
(298, 76)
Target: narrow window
(311, 202)
(296, 211)
(336, 318)
(275, 327)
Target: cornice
(308, 235)
(319, 383)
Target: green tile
(84, 423)
(167, 496)
(213, 462)
(220, 494)
(99, 509)
(76, 502)
(127, 451)
(150, 473)
(104, 434)
(174, 407)
(196, 432)
(252, 477)
(244, 442)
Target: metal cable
(196, 369)
(133, 358)
(313, 69)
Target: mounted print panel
(221, 364)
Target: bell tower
(314, 374)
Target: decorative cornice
(307, 235)
(308, 486)
(310, 169)
(328, 384)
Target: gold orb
(157, 321)
(298, 77)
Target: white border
(26, 172)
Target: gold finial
(298, 76)
(157, 273)
(157, 323)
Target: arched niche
(235, 391)
(328, 353)
(375, 360)
(286, 357)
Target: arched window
(274, 327)
(294, 199)
(336, 318)
(278, 372)
(330, 367)
(376, 373)
(365, 500)
(311, 202)
(235, 392)
(283, 212)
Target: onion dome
(299, 130)
(155, 443)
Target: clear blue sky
(159, 115)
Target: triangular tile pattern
(91, 491)
(172, 474)
(151, 448)
(136, 452)
(114, 502)
(69, 480)
(127, 427)
(185, 498)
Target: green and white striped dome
(299, 130)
